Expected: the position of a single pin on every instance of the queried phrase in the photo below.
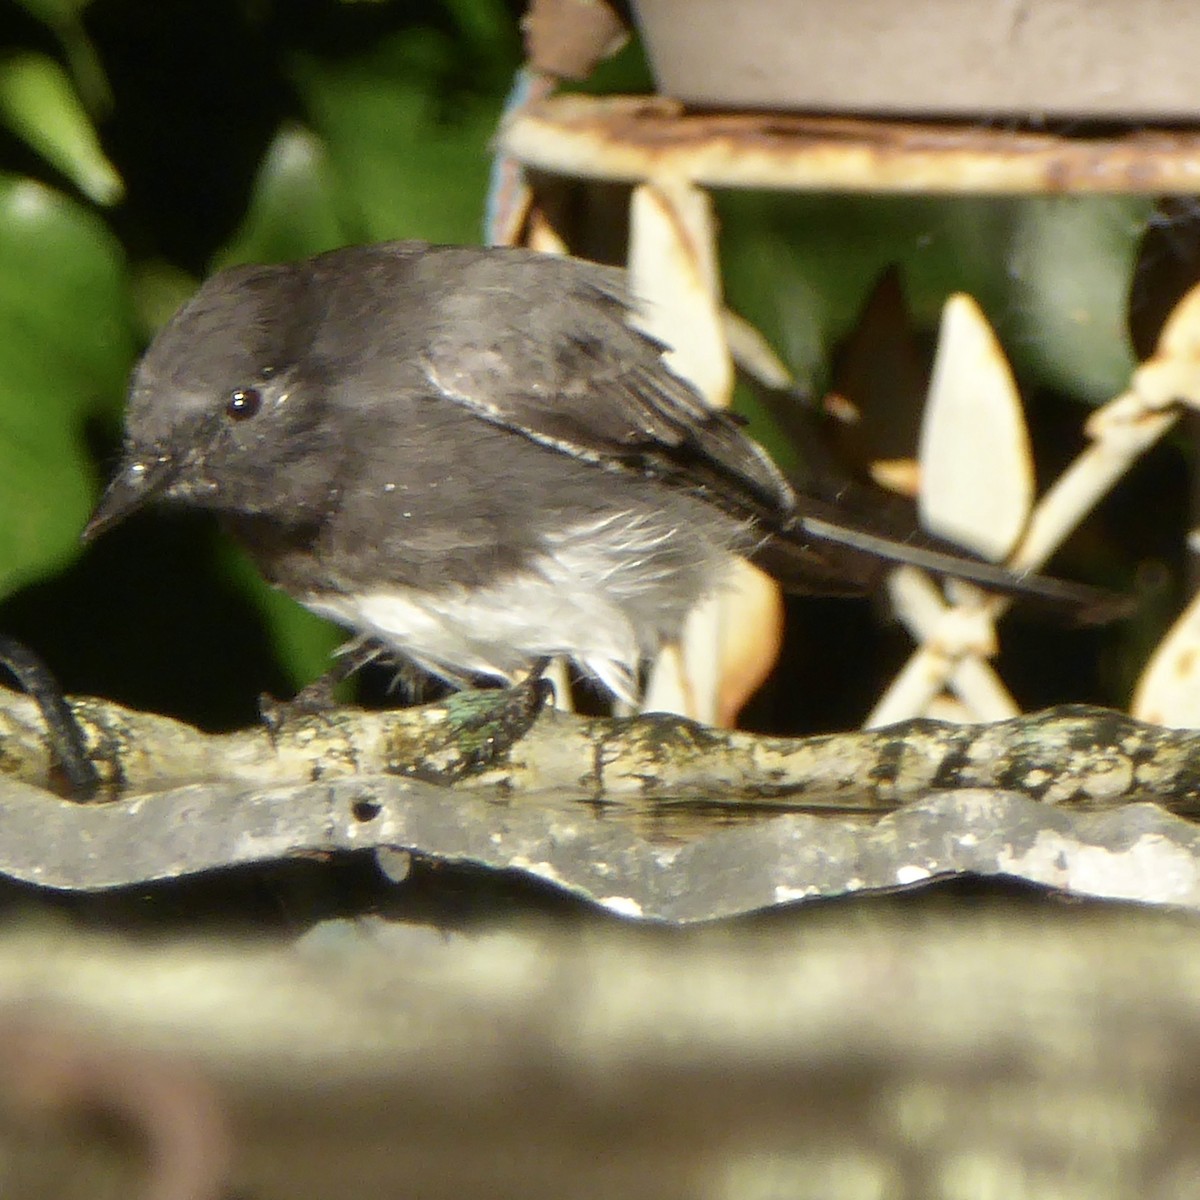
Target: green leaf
(801, 268)
(408, 142)
(66, 351)
(65, 19)
(292, 211)
(1070, 263)
(487, 27)
(54, 13)
(158, 289)
(1052, 274)
(39, 104)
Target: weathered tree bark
(1075, 756)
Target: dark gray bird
(471, 456)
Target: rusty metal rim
(632, 138)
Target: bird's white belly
(596, 596)
(498, 631)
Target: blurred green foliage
(144, 144)
(64, 354)
(1053, 274)
(151, 144)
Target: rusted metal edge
(631, 138)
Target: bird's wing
(544, 346)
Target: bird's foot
(319, 697)
(483, 724)
(313, 700)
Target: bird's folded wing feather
(547, 347)
(566, 368)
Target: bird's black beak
(138, 481)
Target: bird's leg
(318, 696)
(536, 683)
(63, 734)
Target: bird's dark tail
(816, 553)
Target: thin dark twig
(63, 734)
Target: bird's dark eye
(243, 404)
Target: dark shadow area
(286, 899)
(148, 617)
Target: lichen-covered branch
(1069, 756)
(653, 817)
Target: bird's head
(227, 410)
